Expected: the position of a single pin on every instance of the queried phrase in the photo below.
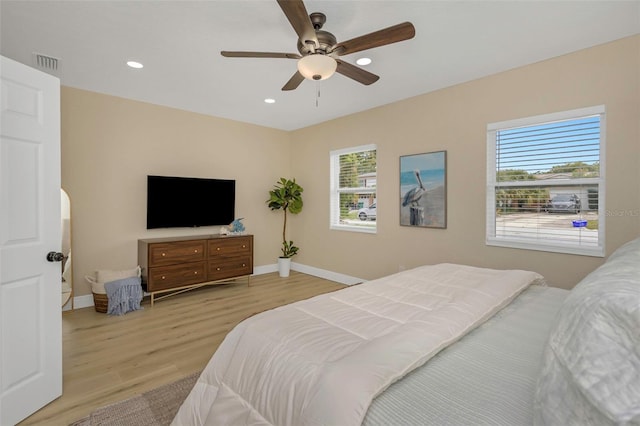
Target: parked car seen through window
(565, 203)
(368, 213)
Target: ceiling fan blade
(294, 81)
(356, 73)
(297, 15)
(228, 54)
(393, 34)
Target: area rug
(152, 408)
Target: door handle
(55, 256)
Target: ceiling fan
(319, 49)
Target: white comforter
(322, 361)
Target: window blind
(566, 149)
(353, 186)
(545, 183)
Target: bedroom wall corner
(110, 145)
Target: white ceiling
(179, 43)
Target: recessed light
(270, 101)
(363, 61)
(134, 64)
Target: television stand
(174, 265)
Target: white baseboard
(310, 270)
(327, 275)
(265, 269)
(86, 301)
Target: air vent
(46, 63)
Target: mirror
(67, 275)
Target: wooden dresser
(177, 264)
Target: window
(353, 205)
(545, 182)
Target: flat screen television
(177, 202)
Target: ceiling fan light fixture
(317, 66)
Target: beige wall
(455, 119)
(110, 145)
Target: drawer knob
(196, 272)
(243, 246)
(195, 251)
(164, 254)
(218, 248)
(243, 265)
(217, 269)
(163, 277)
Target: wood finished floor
(107, 359)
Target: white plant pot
(284, 266)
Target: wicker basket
(100, 302)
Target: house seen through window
(545, 182)
(353, 203)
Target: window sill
(594, 251)
(354, 228)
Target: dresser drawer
(164, 277)
(231, 247)
(174, 264)
(231, 267)
(177, 252)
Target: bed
(439, 344)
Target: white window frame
(334, 191)
(550, 246)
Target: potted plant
(286, 196)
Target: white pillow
(631, 248)
(591, 366)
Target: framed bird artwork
(423, 190)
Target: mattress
(489, 377)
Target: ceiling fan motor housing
(326, 40)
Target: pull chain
(317, 93)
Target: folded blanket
(124, 295)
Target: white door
(30, 317)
